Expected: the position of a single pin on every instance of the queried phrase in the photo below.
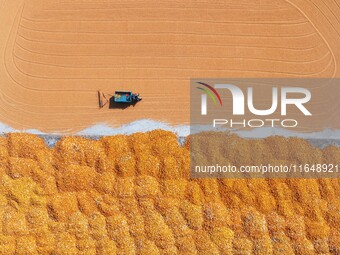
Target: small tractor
(119, 97)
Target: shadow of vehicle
(122, 106)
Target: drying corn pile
(133, 195)
(221, 148)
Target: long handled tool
(103, 100)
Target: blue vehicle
(126, 97)
(119, 97)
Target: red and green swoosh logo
(211, 92)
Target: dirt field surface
(55, 55)
(133, 195)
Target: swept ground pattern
(56, 54)
(132, 195)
